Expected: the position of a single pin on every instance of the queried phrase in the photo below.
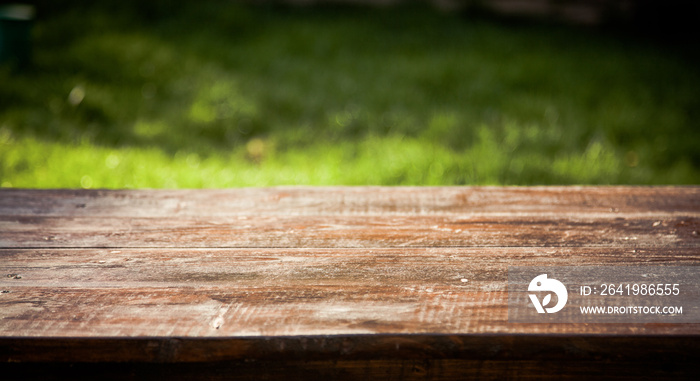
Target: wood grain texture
(292, 283)
(355, 201)
(286, 292)
(348, 232)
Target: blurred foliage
(222, 94)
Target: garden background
(214, 93)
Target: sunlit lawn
(215, 94)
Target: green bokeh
(219, 94)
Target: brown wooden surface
(328, 282)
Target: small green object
(15, 34)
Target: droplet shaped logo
(541, 283)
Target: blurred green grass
(220, 94)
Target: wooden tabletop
(339, 283)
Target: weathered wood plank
(580, 202)
(348, 232)
(288, 292)
(352, 217)
(272, 267)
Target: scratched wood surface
(409, 283)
